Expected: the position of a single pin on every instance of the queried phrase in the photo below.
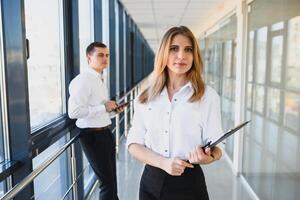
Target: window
(220, 69)
(293, 61)
(271, 163)
(88, 172)
(292, 110)
(43, 20)
(54, 182)
(276, 58)
(261, 48)
(273, 105)
(250, 56)
(2, 110)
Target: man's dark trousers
(99, 148)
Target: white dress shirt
(173, 129)
(87, 97)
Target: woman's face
(180, 59)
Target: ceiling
(154, 17)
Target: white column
(240, 82)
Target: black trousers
(156, 184)
(99, 148)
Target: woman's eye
(174, 49)
(189, 49)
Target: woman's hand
(203, 156)
(175, 166)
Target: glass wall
(2, 111)
(45, 62)
(219, 66)
(2, 86)
(88, 173)
(271, 161)
(54, 182)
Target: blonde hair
(159, 76)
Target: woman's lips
(180, 64)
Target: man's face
(99, 59)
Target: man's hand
(119, 109)
(110, 106)
(175, 166)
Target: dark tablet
(226, 135)
(123, 104)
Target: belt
(97, 129)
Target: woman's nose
(181, 54)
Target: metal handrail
(20, 186)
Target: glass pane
(2, 85)
(273, 105)
(259, 98)
(2, 188)
(276, 58)
(258, 126)
(52, 183)
(234, 59)
(250, 56)
(2, 153)
(227, 87)
(88, 171)
(220, 69)
(45, 67)
(271, 164)
(227, 58)
(249, 95)
(293, 55)
(272, 134)
(288, 155)
(278, 26)
(261, 47)
(292, 110)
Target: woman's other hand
(175, 166)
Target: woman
(174, 117)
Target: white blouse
(173, 129)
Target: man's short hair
(91, 48)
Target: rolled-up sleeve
(137, 131)
(214, 122)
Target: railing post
(117, 120)
(131, 104)
(126, 117)
(74, 172)
(117, 133)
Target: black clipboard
(211, 144)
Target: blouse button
(166, 131)
(175, 99)
(166, 151)
(149, 109)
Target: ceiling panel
(154, 17)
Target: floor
(221, 183)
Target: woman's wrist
(216, 153)
(161, 163)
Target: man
(89, 104)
